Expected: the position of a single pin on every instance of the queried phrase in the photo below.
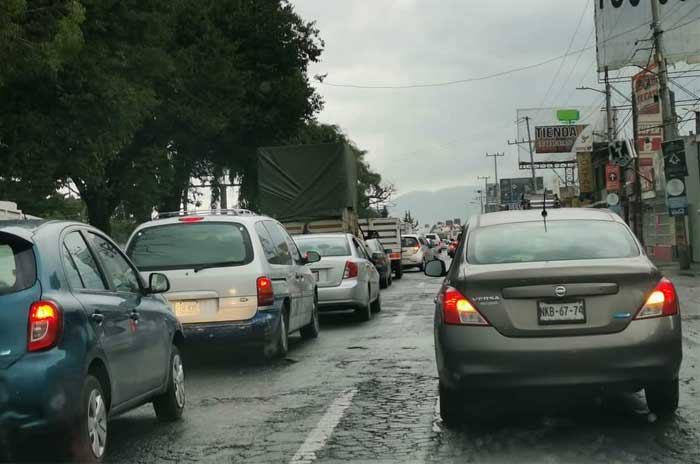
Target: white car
(346, 276)
(439, 244)
(235, 278)
(415, 251)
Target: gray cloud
(437, 137)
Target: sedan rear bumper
(348, 294)
(647, 351)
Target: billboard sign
(674, 159)
(646, 174)
(645, 90)
(512, 190)
(621, 25)
(563, 139)
(585, 172)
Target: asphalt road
(367, 392)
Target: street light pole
(669, 123)
(486, 189)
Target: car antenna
(544, 209)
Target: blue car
(82, 338)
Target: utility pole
(486, 189)
(495, 157)
(532, 157)
(670, 125)
(638, 209)
(608, 107)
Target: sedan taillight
(351, 270)
(45, 325)
(458, 310)
(662, 301)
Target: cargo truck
(388, 232)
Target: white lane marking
(436, 416)
(318, 437)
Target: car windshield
(17, 265)
(324, 246)
(185, 246)
(562, 240)
(407, 242)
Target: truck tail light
(266, 297)
(395, 255)
(662, 301)
(458, 310)
(45, 325)
(351, 270)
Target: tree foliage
(409, 219)
(124, 102)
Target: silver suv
(237, 277)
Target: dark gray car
(570, 302)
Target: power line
(480, 78)
(568, 49)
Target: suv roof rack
(204, 212)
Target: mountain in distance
(430, 207)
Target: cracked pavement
(367, 392)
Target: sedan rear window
(17, 265)
(324, 246)
(523, 242)
(187, 246)
(409, 242)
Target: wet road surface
(367, 392)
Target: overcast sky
(431, 138)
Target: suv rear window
(17, 265)
(408, 242)
(191, 245)
(324, 246)
(563, 240)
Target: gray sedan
(570, 302)
(346, 276)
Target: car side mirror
(158, 283)
(435, 268)
(312, 257)
(377, 255)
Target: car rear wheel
(312, 329)
(169, 405)
(90, 433)
(364, 312)
(399, 273)
(662, 398)
(421, 266)
(389, 279)
(383, 281)
(450, 408)
(377, 305)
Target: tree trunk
(99, 211)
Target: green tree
(408, 219)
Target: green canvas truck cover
(306, 182)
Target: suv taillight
(458, 310)
(662, 301)
(266, 297)
(351, 270)
(45, 325)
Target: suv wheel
(662, 398)
(312, 329)
(90, 432)
(169, 405)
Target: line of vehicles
(89, 330)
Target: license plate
(566, 312)
(316, 276)
(186, 308)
